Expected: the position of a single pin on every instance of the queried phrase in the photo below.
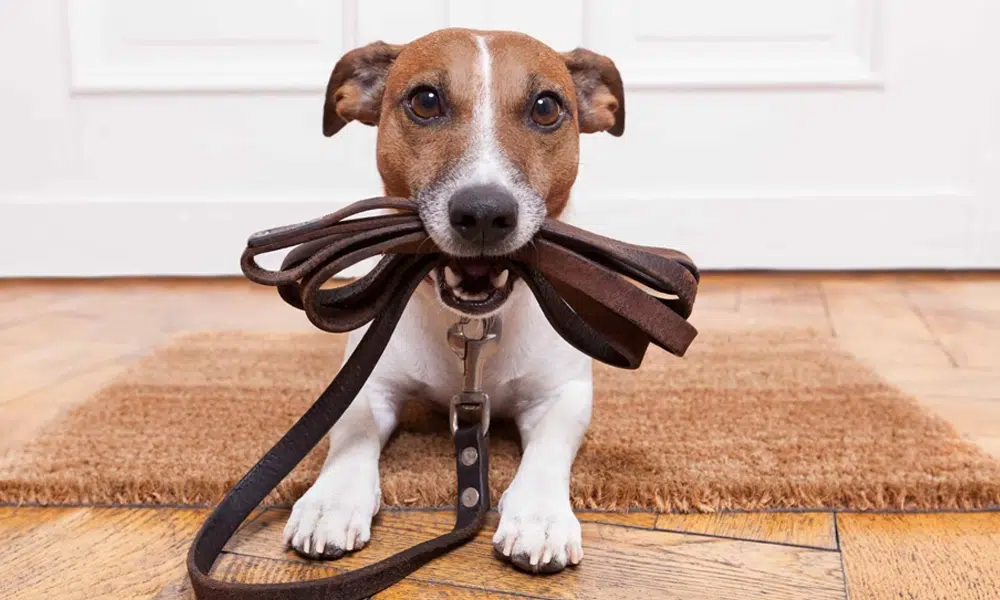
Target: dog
(481, 129)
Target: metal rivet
(469, 456)
(470, 497)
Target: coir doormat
(747, 421)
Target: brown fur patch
(354, 92)
(411, 156)
(372, 83)
(600, 91)
(524, 67)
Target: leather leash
(607, 298)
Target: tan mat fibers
(748, 420)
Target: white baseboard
(205, 238)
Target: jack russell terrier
(481, 128)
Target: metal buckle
(472, 403)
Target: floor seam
(750, 540)
(840, 550)
(927, 325)
(826, 310)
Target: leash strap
(607, 298)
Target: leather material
(607, 298)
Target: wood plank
(91, 553)
(218, 308)
(811, 529)
(965, 317)
(249, 569)
(48, 365)
(975, 419)
(944, 382)
(620, 562)
(96, 327)
(972, 417)
(31, 334)
(145, 312)
(766, 302)
(921, 557)
(17, 522)
(717, 293)
(37, 300)
(22, 417)
(875, 321)
(990, 444)
(21, 306)
(639, 519)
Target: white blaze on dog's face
(482, 130)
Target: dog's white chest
(419, 363)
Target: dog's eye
(545, 110)
(425, 103)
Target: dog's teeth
(469, 297)
(451, 277)
(500, 280)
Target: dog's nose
(483, 213)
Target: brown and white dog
(482, 129)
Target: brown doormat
(749, 420)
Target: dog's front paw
(332, 518)
(538, 531)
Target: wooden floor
(936, 336)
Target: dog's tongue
(475, 267)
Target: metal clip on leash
(472, 404)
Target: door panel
(773, 134)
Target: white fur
(485, 162)
(535, 377)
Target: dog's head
(482, 129)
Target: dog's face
(482, 130)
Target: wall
(766, 134)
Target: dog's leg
(538, 531)
(334, 516)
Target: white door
(761, 134)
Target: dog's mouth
(474, 286)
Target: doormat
(749, 420)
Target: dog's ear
(357, 82)
(599, 91)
